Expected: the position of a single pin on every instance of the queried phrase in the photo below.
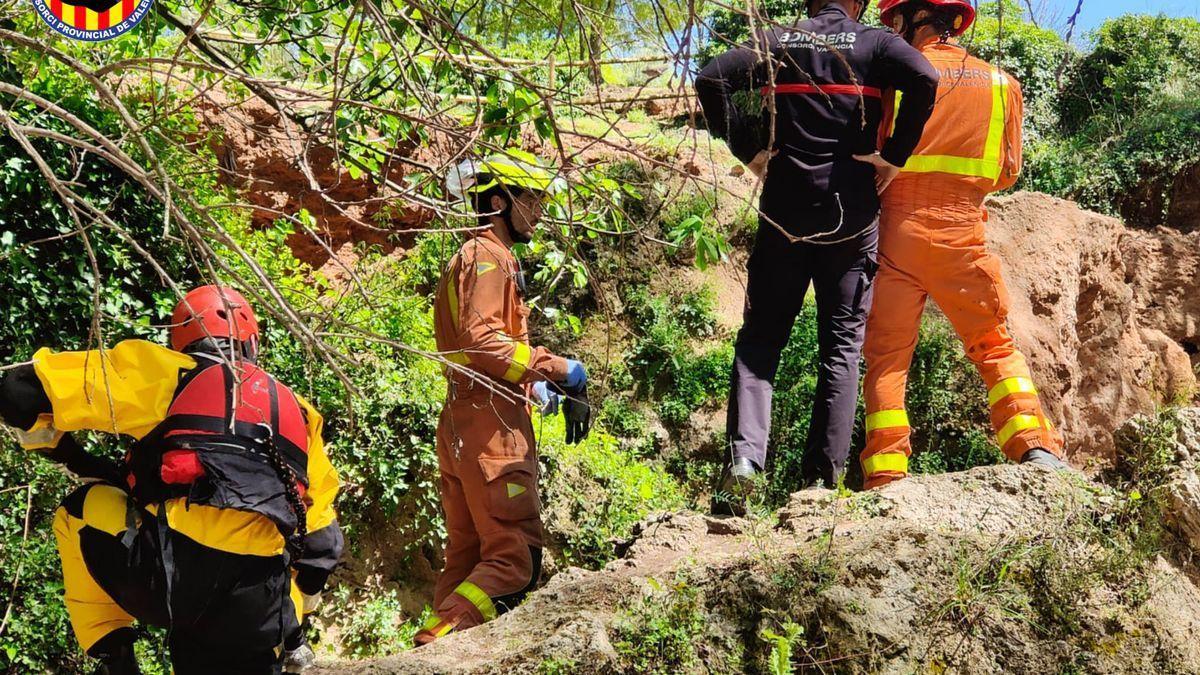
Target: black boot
(115, 653)
(736, 485)
(1043, 457)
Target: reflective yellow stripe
(895, 111)
(460, 358)
(887, 461)
(960, 166)
(68, 14)
(1015, 425)
(452, 300)
(987, 166)
(1010, 386)
(92, 19)
(477, 597)
(886, 419)
(520, 362)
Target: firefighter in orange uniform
(485, 441)
(220, 523)
(931, 246)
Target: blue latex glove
(548, 399)
(576, 376)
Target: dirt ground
(894, 595)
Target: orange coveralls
(486, 448)
(931, 245)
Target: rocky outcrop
(983, 572)
(1105, 315)
(1176, 435)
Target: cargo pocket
(512, 493)
(994, 293)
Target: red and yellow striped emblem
(87, 19)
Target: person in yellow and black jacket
(219, 525)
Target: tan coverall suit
(485, 441)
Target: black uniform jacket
(826, 75)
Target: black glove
(84, 464)
(577, 413)
(22, 398)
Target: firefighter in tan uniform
(932, 246)
(220, 523)
(485, 441)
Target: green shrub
(623, 418)
(593, 493)
(1100, 154)
(374, 626)
(665, 358)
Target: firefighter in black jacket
(219, 525)
(813, 140)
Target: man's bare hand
(885, 171)
(758, 165)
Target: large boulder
(1105, 315)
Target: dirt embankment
(1108, 317)
(933, 574)
(279, 171)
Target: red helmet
(213, 311)
(965, 12)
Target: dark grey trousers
(779, 275)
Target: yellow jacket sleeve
(323, 481)
(124, 390)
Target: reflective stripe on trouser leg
(887, 446)
(887, 419)
(887, 462)
(1015, 425)
(1009, 386)
(1019, 420)
(477, 597)
(93, 612)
